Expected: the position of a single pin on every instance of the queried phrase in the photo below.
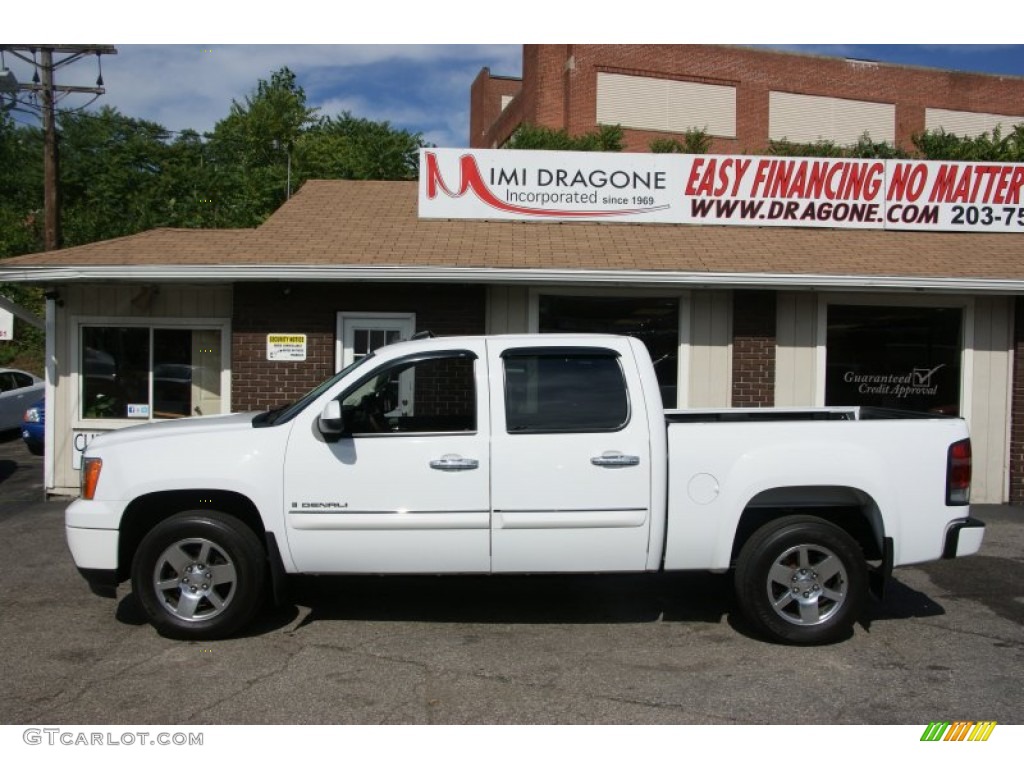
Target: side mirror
(330, 422)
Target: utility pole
(44, 83)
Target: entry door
(571, 461)
(406, 491)
(360, 333)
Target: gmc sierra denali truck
(520, 454)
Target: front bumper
(93, 548)
(963, 538)
(94, 551)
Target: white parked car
(18, 391)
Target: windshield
(288, 412)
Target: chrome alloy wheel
(194, 579)
(807, 585)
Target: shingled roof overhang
(370, 231)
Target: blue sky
(162, 73)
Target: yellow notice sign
(286, 346)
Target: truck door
(406, 489)
(571, 459)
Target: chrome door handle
(615, 460)
(453, 463)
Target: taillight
(958, 474)
(90, 477)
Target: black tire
(802, 580)
(199, 575)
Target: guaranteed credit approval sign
(740, 190)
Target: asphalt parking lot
(946, 644)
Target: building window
(894, 357)
(655, 321)
(659, 104)
(143, 372)
(801, 118)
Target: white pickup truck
(520, 454)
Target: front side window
(550, 390)
(138, 372)
(433, 394)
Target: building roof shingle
(375, 223)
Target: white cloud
(192, 85)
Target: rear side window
(556, 390)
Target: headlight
(32, 416)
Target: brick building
(217, 321)
(743, 97)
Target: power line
(44, 83)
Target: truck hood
(194, 425)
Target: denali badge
(323, 506)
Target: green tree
(695, 142)
(864, 148)
(250, 150)
(605, 138)
(21, 188)
(994, 147)
(113, 171)
(349, 147)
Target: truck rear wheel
(199, 575)
(802, 580)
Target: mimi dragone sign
(721, 189)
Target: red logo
(470, 179)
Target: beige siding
(655, 104)
(968, 123)
(989, 412)
(799, 118)
(114, 301)
(796, 361)
(508, 309)
(710, 354)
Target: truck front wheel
(199, 575)
(801, 580)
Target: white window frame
(344, 355)
(78, 322)
(965, 303)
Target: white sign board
(6, 325)
(742, 190)
(286, 346)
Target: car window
(434, 393)
(6, 382)
(22, 379)
(554, 390)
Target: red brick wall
(485, 98)
(1017, 408)
(311, 308)
(753, 349)
(560, 87)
